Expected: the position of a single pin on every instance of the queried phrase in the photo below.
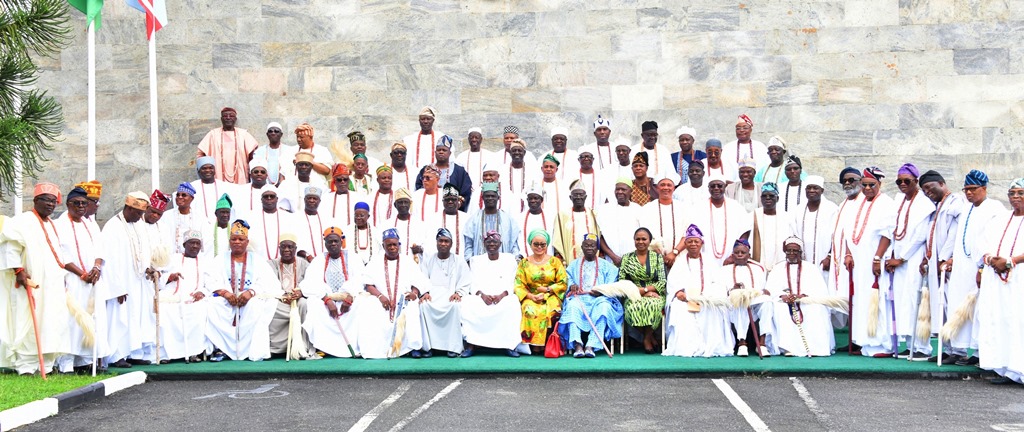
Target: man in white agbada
(362, 239)
(217, 232)
(451, 219)
(939, 248)
(183, 303)
(249, 195)
(838, 278)
(867, 240)
(311, 225)
(813, 223)
(158, 231)
(522, 172)
(568, 160)
(421, 144)
(747, 278)
(667, 219)
(722, 220)
(450, 281)
(535, 217)
(389, 319)
(331, 284)
(127, 253)
(905, 254)
(408, 226)
(507, 200)
(604, 153)
(491, 315)
(268, 225)
(697, 318)
(771, 226)
(25, 256)
(659, 156)
(292, 191)
(617, 221)
(78, 244)
(209, 189)
(245, 295)
(800, 322)
(491, 218)
(977, 216)
(474, 158)
(184, 218)
(1000, 322)
(743, 146)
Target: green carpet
(632, 362)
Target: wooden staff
(156, 310)
(757, 334)
(593, 328)
(849, 321)
(351, 351)
(943, 283)
(29, 286)
(894, 338)
(913, 335)
(291, 324)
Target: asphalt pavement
(527, 404)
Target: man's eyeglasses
(274, 130)
(849, 180)
(902, 182)
(78, 203)
(869, 185)
(256, 171)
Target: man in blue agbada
(583, 302)
(490, 218)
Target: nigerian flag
(91, 9)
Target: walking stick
(29, 286)
(757, 334)
(291, 323)
(849, 321)
(351, 351)
(396, 346)
(798, 319)
(593, 327)
(156, 310)
(184, 331)
(943, 283)
(917, 315)
(894, 338)
(96, 325)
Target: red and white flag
(156, 14)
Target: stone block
(611, 73)
(444, 100)
(870, 13)
(237, 55)
(213, 81)
(122, 81)
(687, 96)
(769, 68)
(585, 48)
(789, 93)
(785, 42)
(655, 71)
(925, 115)
(429, 76)
(525, 24)
(313, 79)
(266, 80)
(121, 31)
(184, 58)
(562, 74)
(206, 31)
(660, 19)
(845, 117)
(438, 51)
(631, 46)
(679, 46)
(172, 83)
(334, 54)
(928, 141)
(709, 17)
(560, 23)
(434, 6)
(587, 99)
(1000, 167)
(988, 114)
(1002, 139)
(384, 52)
(536, 100)
(712, 69)
(975, 88)
(122, 106)
(637, 97)
(900, 90)
(981, 61)
(750, 94)
(534, 49)
(739, 43)
(487, 100)
(510, 75)
(904, 38)
(348, 78)
(845, 39)
(292, 55)
(775, 15)
(296, 79)
(489, 50)
(610, 22)
(123, 57)
(853, 90)
(831, 143)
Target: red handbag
(553, 348)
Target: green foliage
(18, 390)
(29, 119)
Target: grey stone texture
(845, 82)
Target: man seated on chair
(586, 313)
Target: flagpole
(91, 140)
(154, 127)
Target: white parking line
(812, 404)
(748, 414)
(369, 417)
(440, 395)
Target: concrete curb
(40, 409)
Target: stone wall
(845, 82)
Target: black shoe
(415, 354)
(904, 354)
(120, 364)
(919, 357)
(138, 362)
(427, 353)
(217, 356)
(452, 354)
(969, 361)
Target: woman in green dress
(646, 270)
(541, 282)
